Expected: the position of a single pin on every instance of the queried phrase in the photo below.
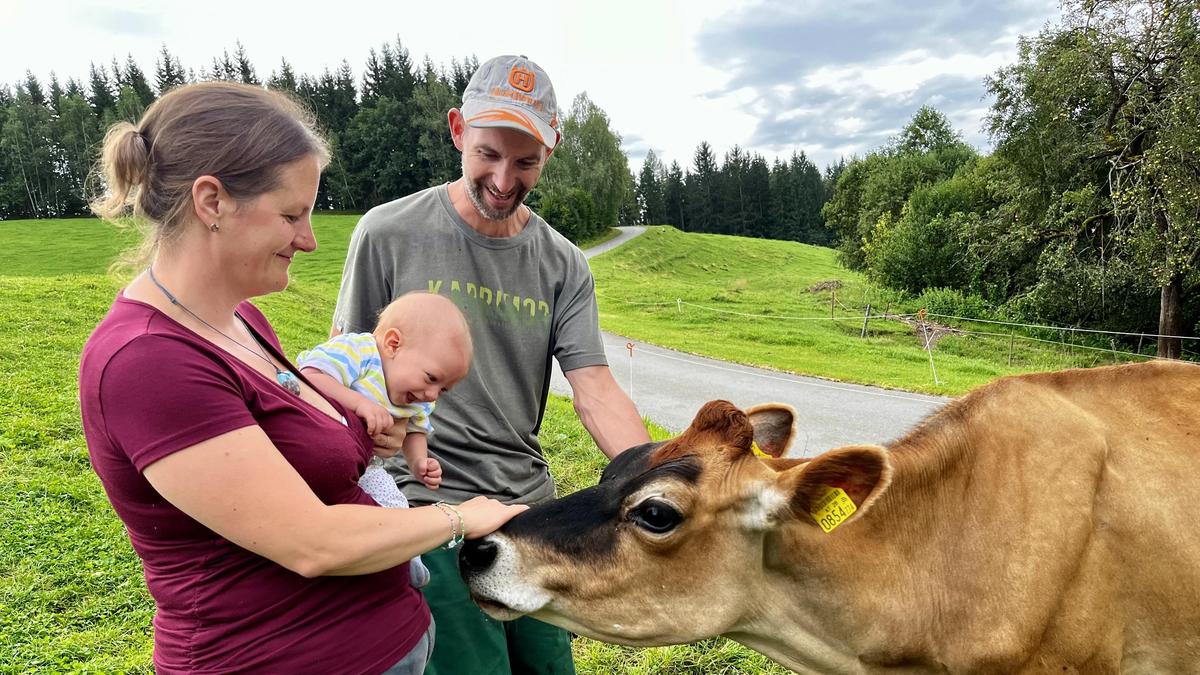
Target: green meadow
(72, 598)
(769, 303)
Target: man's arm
(605, 410)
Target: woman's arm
(239, 486)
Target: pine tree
(223, 68)
(650, 191)
(244, 69)
(135, 79)
(673, 201)
(103, 99)
(33, 89)
(56, 93)
(168, 72)
(285, 79)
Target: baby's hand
(429, 472)
(377, 417)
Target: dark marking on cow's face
(586, 524)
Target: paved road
(669, 387)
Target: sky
(829, 78)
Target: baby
(421, 348)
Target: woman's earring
(214, 227)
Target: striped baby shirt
(353, 359)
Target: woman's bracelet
(458, 530)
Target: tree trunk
(1170, 319)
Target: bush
(953, 302)
(570, 211)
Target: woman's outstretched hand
(484, 515)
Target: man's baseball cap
(513, 92)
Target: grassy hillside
(768, 303)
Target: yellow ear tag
(758, 452)
(832, 508)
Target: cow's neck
(882, 579)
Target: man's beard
(475, 194)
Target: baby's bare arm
(333, 389)
(376, 416)
(416, 450)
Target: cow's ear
(837, 486)
(717, 423)
(774, 428)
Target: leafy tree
(433, 97)
(77, 136)
(590, 157)
(26, 150)
(1099, 118)
(879, 184)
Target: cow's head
(675, 542)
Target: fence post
(866, 318)
(929, 350)
(679, 305)
(832, 300)
(1012, 338)
(629, 346)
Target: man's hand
(377, 417)
(429, 472)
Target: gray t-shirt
(527, 297)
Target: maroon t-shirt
(150, 387)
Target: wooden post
(1012, 338)
(866, 318)
(929, 350)
(832, 300)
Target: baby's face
(421, 370)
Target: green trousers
(469, 642)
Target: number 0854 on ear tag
(832, 507)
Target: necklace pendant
(288, 381)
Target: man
(528, 295)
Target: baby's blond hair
(421, 316)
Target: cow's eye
(656, 516)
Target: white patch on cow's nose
(502, 581)
(762, 507)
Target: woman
(235, 478)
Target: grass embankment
(72, 598)
(768, 303)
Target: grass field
(72, 598)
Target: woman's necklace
(285, 378)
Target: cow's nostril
(478, 555)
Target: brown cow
(1043, 523)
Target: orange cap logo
(521, 78)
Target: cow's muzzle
(490, 568)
